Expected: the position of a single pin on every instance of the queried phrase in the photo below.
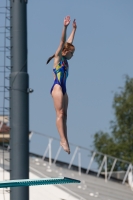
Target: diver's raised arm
(71, 37)
(63, 36)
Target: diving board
(35, 182)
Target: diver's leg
(58, 99)
(65, 115)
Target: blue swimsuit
(61, 74)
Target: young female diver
(58, 91)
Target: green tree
(119, 143)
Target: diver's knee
(65, 115)
(60, 114)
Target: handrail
(77, 150)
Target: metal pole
(89, 166)
(50, 151)
(57, 154)
(79, 163)
(106, 170)
(100, 169)
(127, 172)
(19, 99)
(72, 159)
(110, 173)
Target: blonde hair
(67, 46)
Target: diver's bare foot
(65, 147)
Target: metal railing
(86, 159)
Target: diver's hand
(74, 24)
(67, 21)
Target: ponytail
(50, 58)
(67, 46)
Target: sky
(103, 56)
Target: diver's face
(69, 54)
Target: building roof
(91, 186)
